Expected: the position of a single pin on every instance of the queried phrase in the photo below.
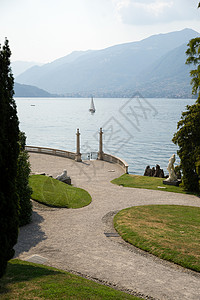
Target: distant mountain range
(18, 67)
(154, 66)
(23, 90)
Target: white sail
(92, 107)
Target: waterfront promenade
(75, 240)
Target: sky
(44, 30)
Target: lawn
(168, 231)
(145, 182)
(25, 280)
(55, 193)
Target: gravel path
(75, 240)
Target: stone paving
(75, 240)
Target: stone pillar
(78, 154)
(100, 153)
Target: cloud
(148, 12)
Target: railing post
(100, 153)
(78, 154)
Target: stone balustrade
(51, 151)
(72, 155)
(114, 159)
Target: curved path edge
(75, 240)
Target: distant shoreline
(100, 97)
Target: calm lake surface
(138, 130)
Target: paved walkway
(75, 240)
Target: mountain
(19, 67)
(119, 69)
(22, 90)
(169, 75)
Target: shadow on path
(30, 235)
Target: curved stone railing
(114, 159)
(51, 151)
(106, 157)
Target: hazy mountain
(19, 67)
(117, 69)
(169, 75)
(22, 90)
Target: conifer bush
(9, 150)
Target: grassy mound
(170, 232)
(53, 192)
(25, 280)
(145, 182)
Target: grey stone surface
(75, 240)
(37, 259)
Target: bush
(198, 166)
(23, 189)
(188, 139)
(178, 171)
(188, 135)
(9, 150)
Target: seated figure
(63, 176)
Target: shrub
(9, 150)
(188, 135)
(23, 189)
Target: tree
(22, 181)
(193, 53)
(9, 149)
(188, 135)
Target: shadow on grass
(25, 280)
(20, 271)
(30, 235)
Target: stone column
(100, 153)
(78, 154)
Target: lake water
(138, 130)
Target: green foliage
(178, 171)
(22, 181)
(22, 141)
(9, 149)
(198, 166)
(193, 53)
(188, 139)
(188, 135)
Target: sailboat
(92, 108)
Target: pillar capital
(77, 131)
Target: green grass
(168, 231)
(55, 193)
(25, 280)
(145, 182)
